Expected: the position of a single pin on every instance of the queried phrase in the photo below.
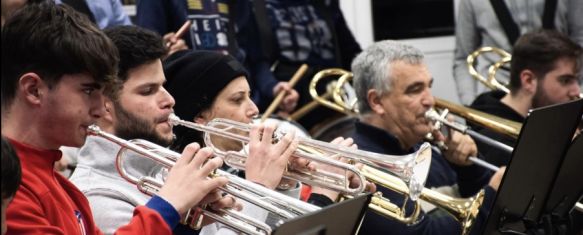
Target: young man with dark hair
(55, 65)
(136, 108)
(11, 176)
(544, 71)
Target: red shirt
(47, 203)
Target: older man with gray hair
(393, 87)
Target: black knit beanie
(195, 79)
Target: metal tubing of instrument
(464, 210)
(483, 163)
(235, 187)
(489, 141)
(412, 168)
(434, 116)
(303, 176)
(579, 206)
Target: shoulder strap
(264, 28)
(323, 7)
(549, 14)
(231, 34)
(82, 7)
(505, 18)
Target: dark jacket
(441, 174)
(489, 102)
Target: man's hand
(497, 178)
(216, 201)
(459, 147)
(290, 100)
(267, 161)
(188, 183)
(173, 44)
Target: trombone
(437, 118)
(464, 210)
(279, 204)
(490, 81)
(319, 99)
(412, 168)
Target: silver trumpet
(412, 168)
(279, 204)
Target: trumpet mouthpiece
(173, 119)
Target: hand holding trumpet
(189, 176)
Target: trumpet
(412, 168)
(279, 204)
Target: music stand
(537, 157)
(342, 218)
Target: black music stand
(534, 176)
(339, 219)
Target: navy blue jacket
(489, 102)
(469, 179)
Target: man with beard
(544, 71)
(138, 108)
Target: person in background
(497, 23)
(544, 71)
(11, 177)
(216, 26)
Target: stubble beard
(130, 126)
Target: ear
(528, 81)
(109, 111)
(32, 88)
(374, 101)
(202, 118)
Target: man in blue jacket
(393, 86)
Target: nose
(97, 109)
(167, 101)
(252, 109)
(428, 100)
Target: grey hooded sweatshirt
(113, 199)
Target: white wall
(438, 50)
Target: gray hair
(372, 67)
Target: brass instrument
(464, 210)
(492, 122)
(491, 81)
(321, 99)
(435, 117)
(279, 204)
(412, 168)
(336, 90)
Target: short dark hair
(11, 172)
(137, 46)
(539, 51)
(51, 41)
